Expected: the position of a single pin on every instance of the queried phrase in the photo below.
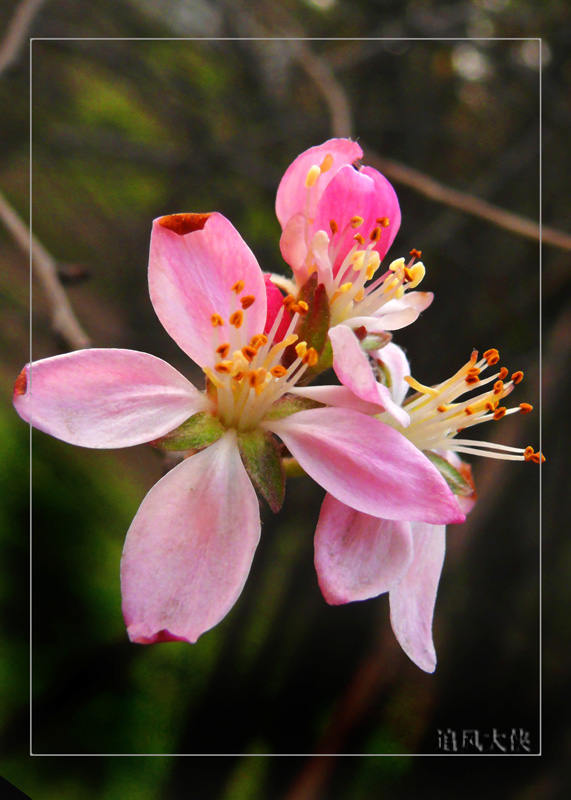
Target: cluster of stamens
(436, 416)
(248, 378)
(348, 292)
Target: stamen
(238, 287)
(247, 301)
(517, 377)
(259, 340)
(301, 349)
(500, 412)
(223, 350)
(471, 380)
(359, 238)
(375, 234)
(249, 352)
(278, 371)
(236, 318)
(225, 367)
(415, 253)
(312, 176)
(334, 227)
(525, 408)
(503, 373)
(216, 320)
(310, 357)
(492, 356)
(327, 163)
(384, 221)
(498, 387)
(356, 221)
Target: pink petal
(293, 247)
(387, 205)
(105, 398)
(394, 359)
(339, 396)
(351, 193)
(358, 556)
(275, 301)
(412, 599)
(190, 547)
(354, 370)
(291, 196)
(367, 465)
(195, 260)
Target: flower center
(437, 414)
(248, 377)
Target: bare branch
(64, 321)
(333, 92)
(467, 203)
(16, 33)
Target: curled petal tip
(21, 385)
(163, 635)
(182, 224)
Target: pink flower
(339, 221)
(359, 556)
(189, 549)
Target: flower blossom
(190, 546)
(358, 556)
(338, 222)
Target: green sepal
(456, 482)
(375, 341)
(313, 326)
(260, 456)
(290, 404)
(198, 432)
(382, 373)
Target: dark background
(124, 131)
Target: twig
(64, 321)
(467, 203)
(16, 32)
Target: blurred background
(131, 123)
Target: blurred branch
(17, 32)
(334, 94)
(467, 203)
(64, 321)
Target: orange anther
(223, 350)
(238, 287)
(384, 221)
(469, 411)
(503, 373)
(356, 221)
(258, 340)
(517, 377)
(525, 408)
(442, 409)
(415, 253)
(288, 300)
(472, 379)
(236, 318)
(249, 352)
(278, 371)
(247, 301)
(216, 321)
(500, 412)
(310, 358)
(225, 367)
(359, 238)
(333, 226)
(498, 387)
(375, 234)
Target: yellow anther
(278, 371)
(333, 226)
(236, 318)
(289, 340)
(407, 275)
(216, 321)
(417, 271)
(359, 296)
(238, 287)
(327, 163)
(288, 300)
(397, 265)
(419, 387)
(301, 349)
(223, 350)
(311, 358)
(357, 258)
(359, 238)
(312, 176)
(247, 301)
(356, 221)
(225, 367)
(345, 287)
